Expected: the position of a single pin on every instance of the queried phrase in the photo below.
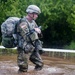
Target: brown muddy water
(52, 66)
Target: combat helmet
(33, 9)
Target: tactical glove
(38, 46)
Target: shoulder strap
(29, 35)
(17, 23)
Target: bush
(71, 46)
(8, 51)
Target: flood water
(52, 66)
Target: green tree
(57, 18)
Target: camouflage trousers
(22, 59)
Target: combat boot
(37, 67)
(22, 69)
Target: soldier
(28, 40)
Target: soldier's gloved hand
(38, 30)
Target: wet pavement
(53, 66)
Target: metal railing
(50, 50)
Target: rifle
(37, 45)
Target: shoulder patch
(23, 25)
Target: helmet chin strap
(32, 17)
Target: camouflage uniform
(25, 46)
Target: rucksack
(9, 32)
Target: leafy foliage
(57, 18)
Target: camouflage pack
(8, 29)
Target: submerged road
(52, 66)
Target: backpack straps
(28, 34)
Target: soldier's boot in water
(22, 69)
(37, 67)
